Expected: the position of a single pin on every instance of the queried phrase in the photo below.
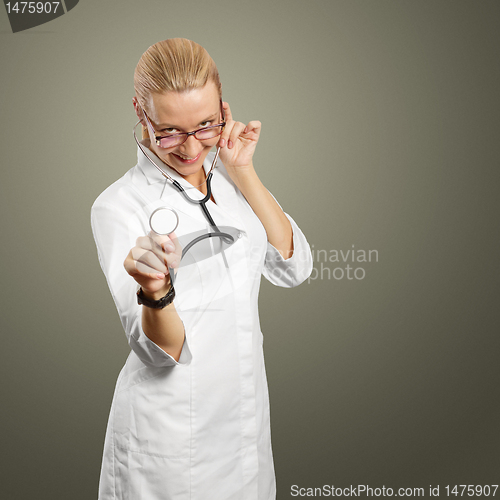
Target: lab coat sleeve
(115, 234)
(293, 271)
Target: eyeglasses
(202, 134)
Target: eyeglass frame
(187, 134)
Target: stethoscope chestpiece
(164, 220)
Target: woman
(190, 413)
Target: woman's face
(174, 112)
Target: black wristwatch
(156, 304)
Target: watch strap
(156, 304)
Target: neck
(198, 180)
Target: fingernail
(170, 246)
(229, 144)
(222, 142)
(160, 276)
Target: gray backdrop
(380, 132)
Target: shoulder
(121, 192)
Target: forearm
(277, 226)
(163, 326)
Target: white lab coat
(199, 428)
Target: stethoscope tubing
(226, 237)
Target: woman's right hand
(149, 262)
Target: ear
(138, 111)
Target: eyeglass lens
(201, 135)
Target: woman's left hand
(238, 141)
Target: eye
(206, 124)
(169, 131)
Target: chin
(187, 167)
(185, 170)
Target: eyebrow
(168, 125)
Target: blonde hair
(174, 64)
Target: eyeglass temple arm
(149, 127)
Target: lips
(187, 161)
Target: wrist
(157, 294)
(153, 303)
(243, 175)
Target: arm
(146, 264)
(153, 335)
(164, 327)
(238, 144)
(277, 226)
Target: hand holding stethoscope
(238, 142)
(155, 257)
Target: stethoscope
(164, 220)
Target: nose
(191, 147)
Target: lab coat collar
(223, 195)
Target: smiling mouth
(186, 159)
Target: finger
(228, 118)
(177, 247)
(145, 244)
(139, 269)
(147, 261)
(166, 248)
(225, 134)
(227, 112)
(170, 249)
(253, 126)
(148, 243)
(164, 241)
(160, 244)
(144, 270)
(237, 130)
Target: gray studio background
(380, 132)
